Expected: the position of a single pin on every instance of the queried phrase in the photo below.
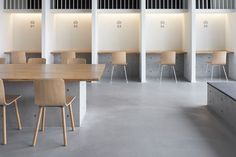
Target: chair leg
(226, 77)
(4, 126)
(159, 69)
(112, 71)
(219, 72)
(72, 118)
(212, 72)
(18, 116)
(126, 78)
(207, 67)
(161, 72)
(174, 74)
(43, 119)
(37, 126)
(64, 125)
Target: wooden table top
(86, 72)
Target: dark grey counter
(228, 89)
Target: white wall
(169, 37)
(5, 31)
(26, 35)
(230, 31)
(211, 37)
(110, 37)
(69, 35)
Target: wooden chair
(67, 55)
(6, 100)
(119, 59)
(18, 57)
(51, 93)
(168, 59)
(2, 60)
(76, 61)
(219, 58)
(37, 61)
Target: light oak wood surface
(6, 100)
(79, 72)
(159, 51)
(27, 52)
(37, 61)
(72, 50)
(112, 51)
(76, 61)
(211, 51)
(18, 57)
(52, 93)
(2, 60)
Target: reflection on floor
(135, 120)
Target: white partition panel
(118, 32)
(72, 31)
(5, 31)
(164, 31)
(211, 30)
(26, 31)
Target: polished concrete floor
(135, 120)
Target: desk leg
(82, 96)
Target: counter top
(228, 88)
(211, 51)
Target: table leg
(81, 91)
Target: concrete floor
(135, 120)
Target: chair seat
(69, 100)
(116, 63)
(11, 98)
(164, 63)
(211, 63)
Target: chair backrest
(119, 57)
(36, 61)
(67, 55)
(18, 57)
(168, 57)
(219, 57)
(50, 92)
(2, 61)
(76, 61)
(2, 93)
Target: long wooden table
(75, 76)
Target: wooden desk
(27, 52)
(76, 86)
(159, 51)
(76, 51)
(202, 52)
(112, 51)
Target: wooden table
(75, 75)
(160, 51)
(27, 52)
(56, 52)
(112, 51)
(206, 52)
